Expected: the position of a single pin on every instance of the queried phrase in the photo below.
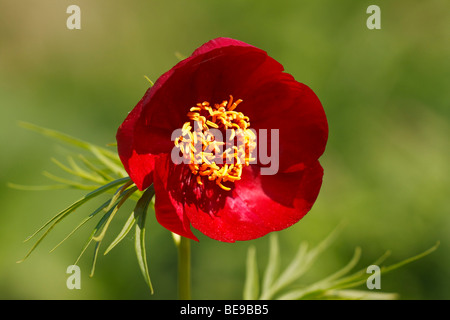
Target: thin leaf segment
(124, 189)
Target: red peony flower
(226, 86)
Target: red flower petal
(215, 70)
(144, 134)
(294, 109)
(218, 43)
(259, 205)
(256, 205)
(169, 213)
(138, 166)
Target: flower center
(217, 142)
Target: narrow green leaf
(324, 284)
(112, 165)
(299, 265)
(400, 264)
(273, 264)
(322, 246)
(122, 192)
(81, 201)
(109, 158)
(94, 231)
(64, 213)
(360, 277)
(140, 215)
(78, 172)
(346, 269)
(180, 56)
(94, 258)
(92, 167)
(104, 224)
(251, 286)
(294, 271)
(70, 183)
(360, 295)
(123, 233)
(83, 222)
(149, 81)
(67, 139)
(101, 225)
(106, 206)
(38, 188)
(111, 217)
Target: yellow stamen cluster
(210, 131)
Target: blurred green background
(385, 92)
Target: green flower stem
(184, 267)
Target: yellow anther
(192, 115)
(234, 105)
(212, 124)
(222, 186)
(222, 117)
